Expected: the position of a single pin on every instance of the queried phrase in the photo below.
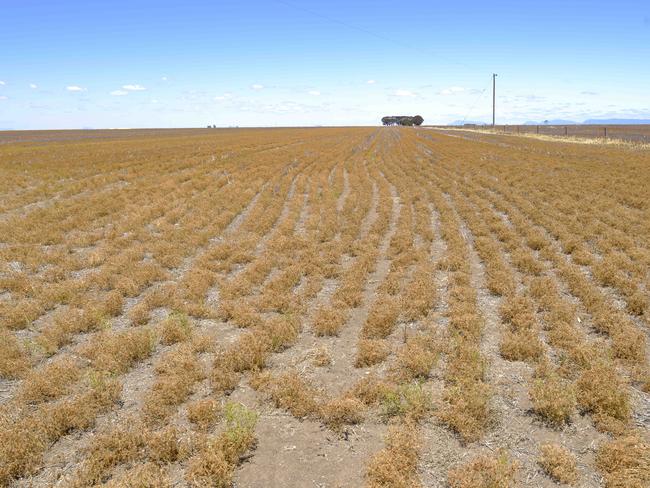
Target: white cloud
(257, 86)
(314, 92)
(75, 88)
(33, 85)
(119, 93)
(371, 82)
(404, 93)
(221, 98)
(133, 87)
(2, 97)
(164, 78)
(2, 83)
(452, 90)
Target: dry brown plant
(558, 462)
(485, 472)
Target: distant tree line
(402, 120)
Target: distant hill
(462, 122)
(552, 122)
(618, 121)
(566, 122)
(591, 122)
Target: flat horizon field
(323, 307)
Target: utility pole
(494, 97)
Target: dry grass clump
(116, 352)
(204, 412)
(499, 282)
(17, 315)
(628, 342)
(419, 296)
(110, 448)
(21, 448)
(203, 341)
(178, 370)
(215, 462)
(416, 358)
(582, 256)
(554, 399)
(328, 320)
(175, 328)
(144, 475)
(342, 411)
(523, 345)
(249, 353)
(466, 364)
(113, 303)
(13, 357)
(222, 378)
(601, 393)
(252, 349)
(164, 446)
(23, 440)
(395, 466)
(370, 352)
(350, 291)
(519, 311)
(485, 472)
(526, 262)
(210, 467)
(558, 463)
(544, 290)
(79, 411)
(371, 390)
(280, 332)
(382, 318)
(240, 312)
(536, 239)
(49, 381)
(290, 392)
(129, 444)
(625, 462)
(139, 313)
(637, 303)
(467, 324)
(69, 321)
(467, 409)
(520, 342)
(410, 401)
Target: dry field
(345, 307)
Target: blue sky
(72, 64)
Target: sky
(109, 64)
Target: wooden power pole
(494, 97)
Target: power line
(478, 98)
